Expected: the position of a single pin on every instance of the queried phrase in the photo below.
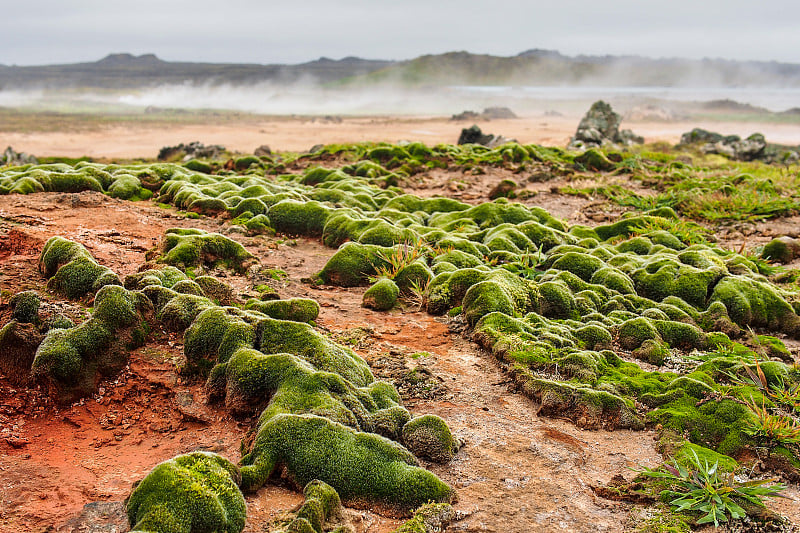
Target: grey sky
(59, 31)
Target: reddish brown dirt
(515, 472)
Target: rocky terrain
(381, 337)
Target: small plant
(400, 257)
(785, 396)
(782, 429)
(701, 488)
(418, 292)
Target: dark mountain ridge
(531, 67)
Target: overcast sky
(261, 31)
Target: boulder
(12, 157)
(600, 127)
(474, 135)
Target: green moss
(382, 296)
(299, 218)
(714, 424)
(280, 336)
(25, 307)
(415, 276)
(213, 337)
(72, 270)
(429, 436)
(322, 505)
(166, 276)
(195, 248)
(180, 310)
(198, 166)
(781, 249)
(652, 351)
(680, 334)
(246, 162)
(632, 333)
(127, 187)
(359, 466)
(216, 290)
(188, 286)
(71, 360)
(193, 492)
(594, 337)
(755, 303)
(295, 309)
(595, 160)
(429, 517)
(353, 264)
(259, 225)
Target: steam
(311, 99)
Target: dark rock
(466, 115)
(699, 135)
(474, 135)
(18, 344)
(488, 114)
(498, 113)
(263, 151)
(600, 127)
(99, 517)
(193, 150)
(12, 157)
(504, 189)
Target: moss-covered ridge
(73, 360)
(197, 491)
(128, 182)
(195, 247)
(296, 377)
(71, 270)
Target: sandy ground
(299, 134)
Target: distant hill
(126, 71)
(532, 67)
(550, 68)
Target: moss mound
(71, 269)
(71, 361)
(194, 247)
(359, 466)
(429, 436)
(193, 492)
(382, 296)
(294, 309)
(25, 307)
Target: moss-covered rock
(353, 264)
(359, 466)
(282, 336)
(25, 307)
(321, 508)
(213, 337)
(71, 361)
(192, 247)
(428, 518)
(295, 309)
(382, 296)
(193, 492)
(299, 218)
(72, 270)
(755, 303)
(781, 250)
(429, 436)
(18, 344)
(593, 159)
